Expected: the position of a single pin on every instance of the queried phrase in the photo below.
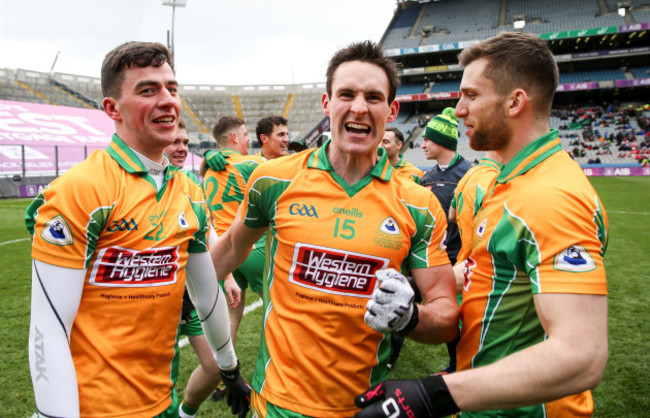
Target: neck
(394, 160)
(351, 168)
(446, 157)
(157, 155)
(523, 134)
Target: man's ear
(111, 108)
(264, 138)
(517, 102)
(325, 100)
(394, 110)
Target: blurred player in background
(392, 142)
(113, 240)
(439, 142)
(535, 270)
(224, 187)
(205, 378)
(273, 134)
(339, 215)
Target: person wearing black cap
(440, 140)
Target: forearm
(210, 303)
(438, 321)
(572, 359)
(438, 312)
(540, 373)
(56, 293)
(227, 256)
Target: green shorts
(191, 327)
(251, 272)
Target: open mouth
(357, 129)
(165, 120)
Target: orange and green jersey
(106, 215)
(541, 229)
(224, 190)
(406, 167)
(327, 239)
(468, 197)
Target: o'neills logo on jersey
(121, 267)
(334, 271)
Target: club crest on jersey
(335, 271)
(389, 226)
(481, 229)
(574, 259)
(182, 222)
(57, 232)
(443, 242)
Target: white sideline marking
(14, 240)
(185, 341)
(622, 212)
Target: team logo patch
(335, 271)
(122, 267)
(182, 222)
(389, 226)
(443, 242)
(481, 229)
(575, 259)
(57, 232)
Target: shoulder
(284, 167)
(98, 171)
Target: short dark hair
(225, 124)
(181, 123)
(265, 125)
(128, 55)
(366, 51)
(398, 134)
(517, 60)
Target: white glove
(391, 306)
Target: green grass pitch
(623, 392)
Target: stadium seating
(441, 23)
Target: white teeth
(165, 120)
(356, 126)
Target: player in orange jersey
(115, 239)
(535, 270)
(342, 225)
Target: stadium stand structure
(601, 54)
(603, 59)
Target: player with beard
(536, 265)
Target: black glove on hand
(239, 392)
(215, 160)
(422, 398)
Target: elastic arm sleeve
(210, 303)
(56, 294)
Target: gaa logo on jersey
(335, 271)
(122, 267)
(575, 259)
